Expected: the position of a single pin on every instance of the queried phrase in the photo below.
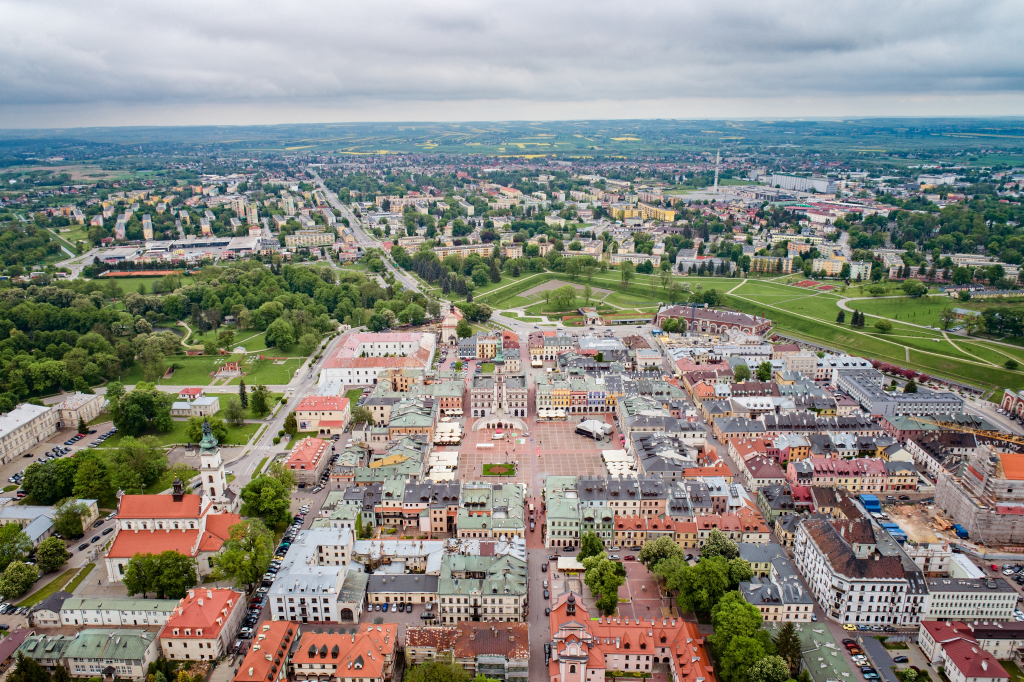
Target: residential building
(496, 650)
(116, 612)
(80, 406)
(367, 656)
(268, 657)
(203, 624)
(859, 574)
(308, 238)
(953, 599)
(489, 588)
(1001, 640)
(782, 596)
(308, 460)
(94, 652)
(325, 415)
(24, 427)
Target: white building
(987, 600)
(362, 357)
(859, 574)
(23, 428)
(116, 612)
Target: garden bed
(499, 470)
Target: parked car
(547, 595)
(900, 659)
(385, 607)
(544, 568)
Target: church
(195, 525)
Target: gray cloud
(123, 63)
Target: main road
(362, 238)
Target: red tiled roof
(160, 507)
(322, 403)
(202, 611)
(973, 661)
(365, 655)
(308, 452)
(277, 637)
(217, 531)
(128, 543)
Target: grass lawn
(1011, 668)
(132, 283)
(224, 398)
(297, 437)
(259, 467)
(353, 397)
(195, 370)
(499, 470)
(237, 435)
(53, 586)
(269, 373)
(80, 578)
(164, 482)
(487, 367)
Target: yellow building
(309, 238)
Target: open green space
(487, 367)
(165, 482)
(132, 283)
(54, 585)
(268, 372)
(80, 578)
(237, 435)
(499, 470)
(224, 397)
(924, 311)
(297, 437)
(195, 370)
(353, 397)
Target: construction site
(985, 497)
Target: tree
(51, 554)
(194, 432)
(47, 483)
(719, 545)
(243, 396)
(655, 551)
(68, 516)
(626, 271)
(169, 574)
(841, 317)
(291, 425)
(877, 289)
(587, 293)
(1011, 365)
(268, 498)
(741, 373)
(281, 334)
(61, 674)
(437, 671)
(948, 318)
(82, 428)
(14, 544)
(463, 329)
(140, 574)
(769, 669)
(604, 576)
(376, 323)
(92, 481)
(764, 371)
(412, 314)
(787, 644)
(246, 554)
(136, 463)
(28, 670)
(910, 387)
(914, 288)
(234, 412)
(259, 401)
(738, 640)
(590, 545)
(883, 326)
(17, 578)
(362, 415)
(308, 343)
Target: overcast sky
(233, 62)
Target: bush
(284, 400)
(277, 440)
(281, 432)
